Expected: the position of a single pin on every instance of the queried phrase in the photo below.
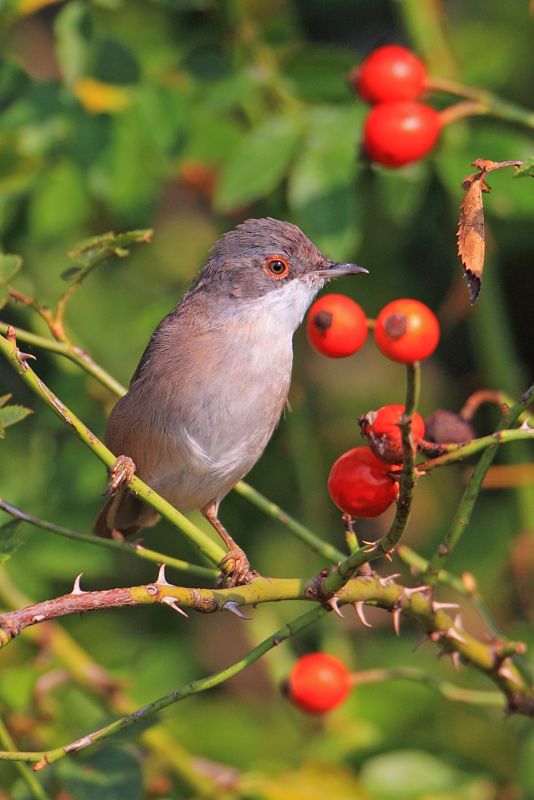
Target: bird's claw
(235, 569)
(120, 473)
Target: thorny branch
(493, 659)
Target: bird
(213, 381)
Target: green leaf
(322, 192)
(526, 170)
(9, 266)
(10, 415)
(94, 251)
(407, 774)
(72, 28)
(9, 542)
(259, 163)
(59, 201)
(110, 774)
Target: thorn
(455, 657)
(387, 579)
(234, 608)
(458, 622)
(505, 672)
(372, 546)
(23, 357)
(439, 606)
(172, 602)
(452, 634)
(358, 607)
(76, 589)
(334, 605)
(526, 427)
(161, 579)
(415, 590)
(396, 621)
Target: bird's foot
(120, 473)
(235, 569)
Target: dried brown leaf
(471, 239)
(471, 234)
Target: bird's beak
(333, 269)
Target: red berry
(397, 133)
(318, 682)
(383, 433)
(407, 331)
(360, 485)
(336, 326)
(389, 73)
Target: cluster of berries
(399, 128)
(360, 482)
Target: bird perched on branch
(213, 380)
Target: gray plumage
(212, 383)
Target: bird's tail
(124, 513)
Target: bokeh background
(189, 116)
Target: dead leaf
(471, 238)
(471, 234)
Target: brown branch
(493, 658)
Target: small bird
(213, 381)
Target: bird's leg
(235, 565)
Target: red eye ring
(276, 267)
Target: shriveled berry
(318, 682)
(397, 133)
(360, 484)
(336, 326)
(383, 432)
(446, 426)
(390, 72)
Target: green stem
(339, 576)
(314, 542)
(70, 351)
(461, 451)
(446, 689)
(194, 687)
(111, 544)
(35, 788)
(467, 503)
(492, 103)
(102, 684)
(197, 537)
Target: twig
(459, 452)
(194, 687)
(314, 542)
(448, 690)
(209, 548)
(467, 503)
(90, 675)
(70, 351)
(491, 103)
(363, 555)
(132, 548)
(34, 787)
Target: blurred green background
(189, 116)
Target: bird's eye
(276, 267)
